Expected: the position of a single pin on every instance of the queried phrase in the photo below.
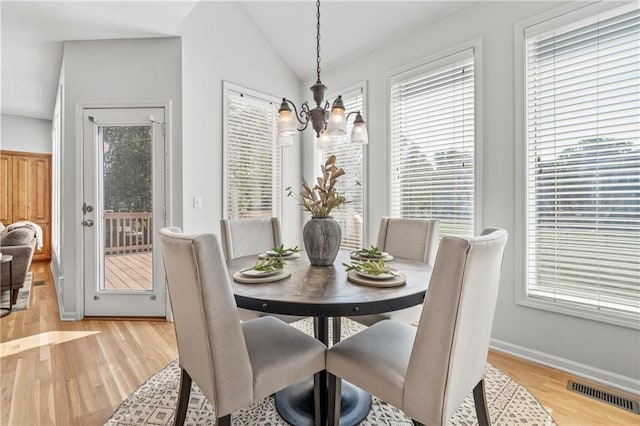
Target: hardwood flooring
(77, 373)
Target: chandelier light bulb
(286, 124)
(324, 141)
(359, 133)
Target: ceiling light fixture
(326, 124)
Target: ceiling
(33, 33)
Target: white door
(124, 207)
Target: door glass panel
(127, 231)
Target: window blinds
(253, 161)
(583, 157)
(432, 144)
(350, 157)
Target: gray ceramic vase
(322, 236)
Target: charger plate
(242, 278)
(401, 279)
(387, 258)
(291, 256)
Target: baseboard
(593, 374)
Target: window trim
(363, 86)
(430, 62)
(232, 87)
(565, 15)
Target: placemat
(241, 278)
(401, 279)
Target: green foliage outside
(127, 168)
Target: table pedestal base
(295, 404)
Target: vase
(322, 236)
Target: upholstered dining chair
(428, 371)
(243, 237)
(414, 239)
(234, 363)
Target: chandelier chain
(318, 38)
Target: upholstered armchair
(233, 363)
(19, 243)
(428, 371)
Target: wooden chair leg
(224, 421)
(183, 398)
(317, 400)
(335, 394)
(480, 401)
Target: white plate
(373, 276)
(275, 253)
(254, 273)
(382, 255)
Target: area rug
(23, 295)
(155, 401)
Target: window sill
(623, 320)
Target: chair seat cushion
(280, 355)
(375, 359)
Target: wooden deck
(131, 271)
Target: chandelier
(326, 124)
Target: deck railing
(127, 232)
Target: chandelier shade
(326, 120)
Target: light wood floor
(78, 373)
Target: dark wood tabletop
(325, 291)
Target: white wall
(220, 42)
(25, 134)
(602, 351)
(134, 71)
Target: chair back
(242, 237)
(211, 343)
(414, 239)
(452, 341)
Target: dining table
(325, 292)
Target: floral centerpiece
(323, 197)
(321, 234)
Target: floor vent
(604, 396)
(39, 282)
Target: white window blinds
(583, 157)
(253, 161)
(350, 157)
(433, 143)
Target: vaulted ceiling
(33, 33)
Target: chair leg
(14, 295)
(335, 394)
(417, 423)
(183, 398)
(480, 401)
(224, 421)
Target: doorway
(124, 194)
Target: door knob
(87, 222)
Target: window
(583, 164)
(351, 158)
(433, 143)
(253, 162)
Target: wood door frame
(80, 106)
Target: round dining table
(325, 292)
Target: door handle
(87, 223)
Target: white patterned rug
(154, 402)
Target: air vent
(604, 396)
(39, 282)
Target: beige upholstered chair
(242, 237)
(414, 239)
(428, 371)
(234, 363)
